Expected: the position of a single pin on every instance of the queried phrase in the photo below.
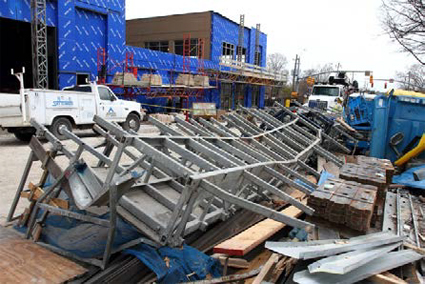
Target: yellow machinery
(412, 153)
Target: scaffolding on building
(227, 71)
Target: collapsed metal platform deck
(184, 180)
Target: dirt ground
(13, 157)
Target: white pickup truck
(73, 107)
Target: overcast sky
(327, 31)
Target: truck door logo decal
(111, 112)
(62, 102)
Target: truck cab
(326, 97)
(108, 105)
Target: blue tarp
(300, 182)
(407, 179)
(174, 265)
(89, 240)
(324, 176)
(83, 239)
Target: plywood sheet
(23, 261)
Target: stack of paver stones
(350, 199)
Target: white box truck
(73, 107)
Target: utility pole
(296, 73)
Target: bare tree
(276, 63)
(404, 21)
(413, 78)
(321, 73)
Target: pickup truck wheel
(23, 136)
(57, 124)
(132, 122)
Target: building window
(243, 54)
(228, 50)
(82, 78)
(157, 45)
(178, 47)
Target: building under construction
(62, 43)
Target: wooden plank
(270, 264)
(415, 248)
(386, 278)
(36, 192)
(320, 163)
(23, 261)
(231, 262)
(246, 241)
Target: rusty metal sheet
(23, 261)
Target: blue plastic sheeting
(300, 182)
(407, 178)
(174, 265)
(324, 176)
(300, 234)
(83, 239)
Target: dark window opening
(179, 47)
(243, 52)
(228, 50)
(15, 53)
(158, 45)
(82, 79)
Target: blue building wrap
(84, 26)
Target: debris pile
(224, 187)
(346, 260)
(179, 183)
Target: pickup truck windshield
(326, 91)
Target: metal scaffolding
(169, 186)
(241, 38)
(39, 44)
